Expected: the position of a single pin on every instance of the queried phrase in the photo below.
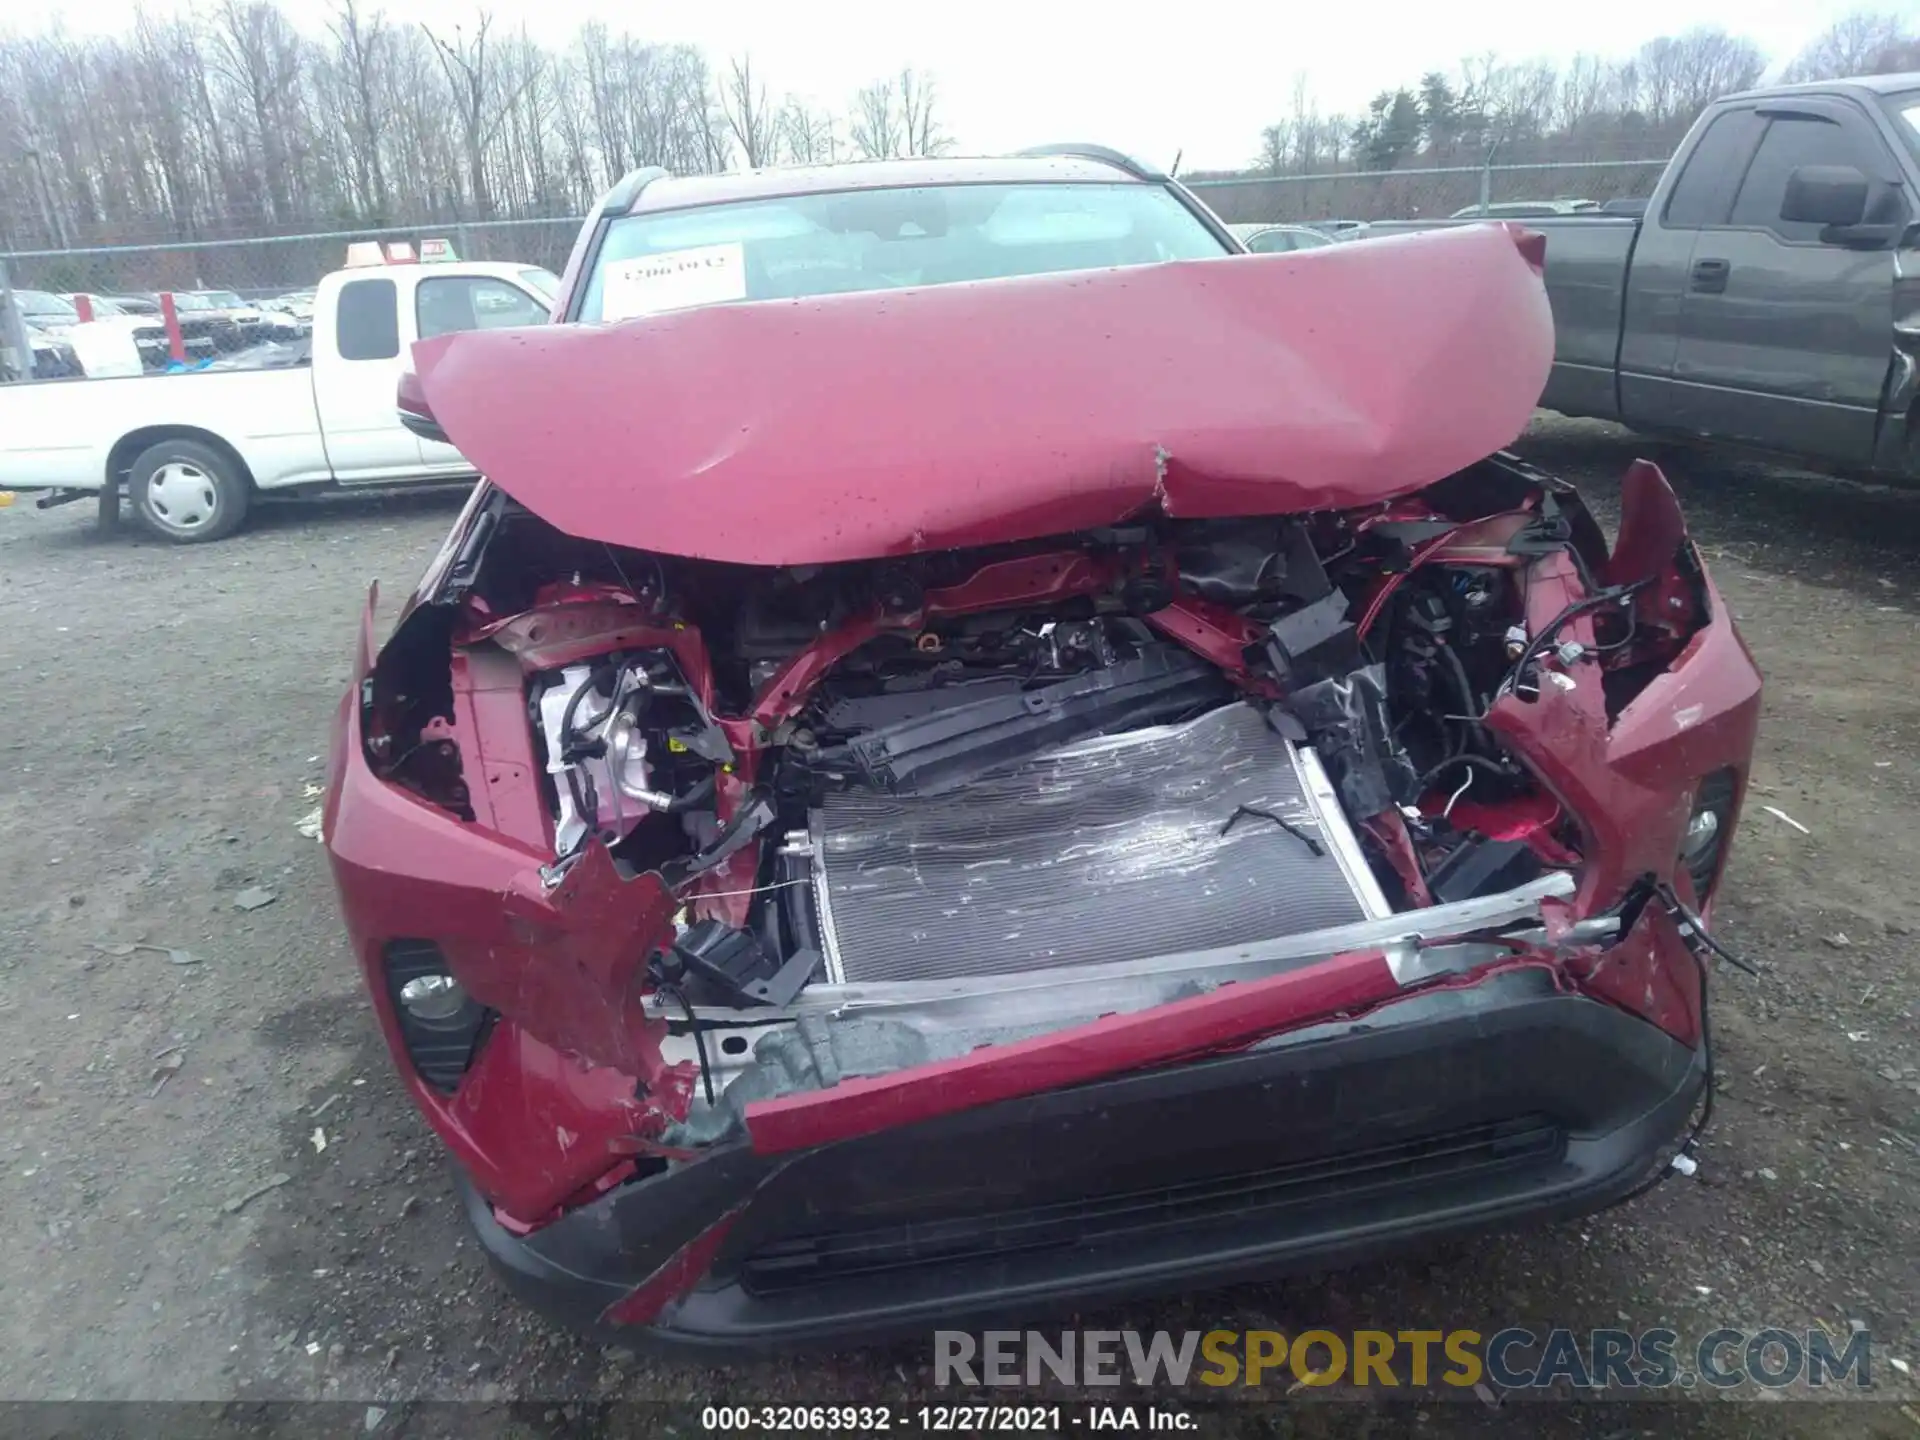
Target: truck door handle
(1710, 276)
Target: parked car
(1757, 302)
(44, 310)
(112, 343)
(1527, 209)
(257, 322)
(297, 307)
(100, 304)
(206, 329)
(191, 451)
(1036, 767)
(149, 334)
(249, 323)
(54, 357)
(1284, 239)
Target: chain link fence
(1425, 193)
(230, 298)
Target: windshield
(543, 283)
(225, 299)
(854, 240)
(42, 306)
(184, 300)
(1905, 108)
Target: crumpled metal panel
(847, 427)
(1109, 849)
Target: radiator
(1115, 848)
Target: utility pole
(16, 349)
(1486, 178)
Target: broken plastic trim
(947, 1034)
(1337, 831)
(934, 753)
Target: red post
(83, 302)
(176, 346)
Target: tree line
(231, 121)
(1585, 108)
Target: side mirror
(410, 401)
(1825, 195)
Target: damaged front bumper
(1320, 1147)
(874, 1155)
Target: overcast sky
(1153, 79)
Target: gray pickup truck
(1770, 297)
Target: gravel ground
(163, 716)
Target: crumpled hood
(855, 426)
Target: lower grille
(1349, 1180)
(1119, 848)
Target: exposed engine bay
(1102, 748)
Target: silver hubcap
(181, 496)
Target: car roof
(679, 192)
(1874, 84)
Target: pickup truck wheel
(187, 492)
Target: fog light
(1704, 844)
(441, 1026)
(1701, 833)
(433, 997)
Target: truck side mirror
(1825, 195)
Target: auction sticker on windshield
(674, 280)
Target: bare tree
(1309, 131)
(1582, 95)
(1534, 112)
(258, 54)
(876, 127)
(230, 121)
(425, 138)
(160, 52)
(480, 107)
(1276, 148)
(743, 100)
(360, 45)
(809, 136)
(1710, 63)
(920, 132)
(1866, 42)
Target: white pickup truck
(189, 451)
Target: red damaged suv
(978, 749)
